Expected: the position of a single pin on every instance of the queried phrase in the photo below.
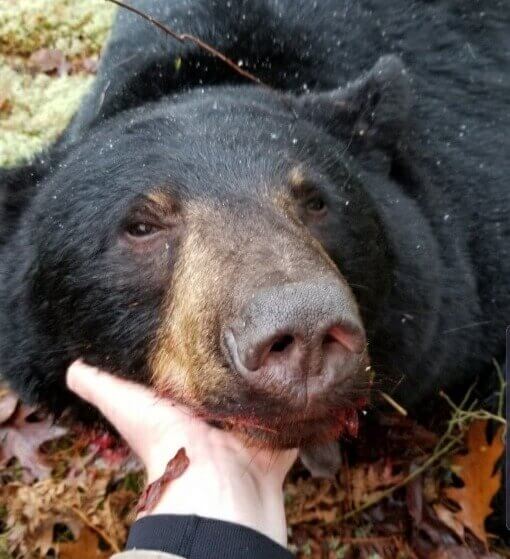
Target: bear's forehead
(296, 179)
(240, 122)
(200, 146)
(145, 163)
(280, 188)
(117, 176)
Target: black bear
(247, 248)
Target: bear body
(411, 159)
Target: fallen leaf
(6, 106)
(21, 439)
(85, 547)
(368, 480)
(49, 61)
(34, 510)
(90, 65)
(152, 493)
(414, 499)
(481, 482)
(86, 65)
(449, 519)
(43, 538)
(461, 552)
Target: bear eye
(315, 205)
(141, 229)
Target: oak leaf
(369, 480)
(34, 510)
(460, 552)
(152, 493)
(21, 439)
(476, 468)
(85, 547)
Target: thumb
(133, 409)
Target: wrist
(237, 497)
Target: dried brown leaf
(460, 552)
(85, 547)
(476, 468)
(368, 480)
(174, 469)
(34, 510)
(6, 106)
(21, 439)
(414, 499)
(448, 518)
(49, 61)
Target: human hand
(224, 480)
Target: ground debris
(477, 468)
(152, 493)
(22, 434)
(80, 499)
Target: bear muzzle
(300, 341)
(260, 330)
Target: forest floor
(69, 493)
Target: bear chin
(295, 432)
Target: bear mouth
(278, 416)
(295, 431)
(293, 418)
(290, 428)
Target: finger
(131, 408)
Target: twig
(186, 37)
(368, 540)
(414, 474)
(461, 419)
(401, 410)
(461, 415)
(502, 385)
(83, 517)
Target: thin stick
(446, 444)
(461, 415)
(183, 37)
(502, 386)
(414, 474)
(401, 410)
(83, 517)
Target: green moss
(38, 109)
(76, 27)
(4, 547)
(34, 109)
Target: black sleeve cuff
(194, 537)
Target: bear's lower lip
(265, 421)
(295, 431)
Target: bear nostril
(279, 347)
(328, 339)
(281, 344)
(350, 337)
(290, 332)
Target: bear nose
(292, 332)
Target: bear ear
(17, 187)
(371, 112)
